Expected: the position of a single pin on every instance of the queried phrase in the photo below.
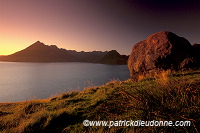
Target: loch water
(27, 81)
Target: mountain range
(39, 52)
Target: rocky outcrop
(196, 48)
(161, 51)
(113, 57)
(196, 51)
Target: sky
(90, 25)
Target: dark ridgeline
(39, 52)
(162, 51)
(92, 57)
(113, 57)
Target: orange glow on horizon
(12, 44)
(9, 46)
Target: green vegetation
(167, 96)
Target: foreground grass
(165, 97)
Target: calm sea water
(26, 81)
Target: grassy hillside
(167, 96)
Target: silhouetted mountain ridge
(92, 57)
(39, 52)
(113, 57)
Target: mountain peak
(38, 43)
(114, 52)
(113, 57)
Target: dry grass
(166, 96)
(64, 95)
(90, 90)
(162, 77)
(112, 82)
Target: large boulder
(196, 51)
(196, 48)
(161, 51)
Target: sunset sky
(94, 24)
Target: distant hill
(113, 57)
(92, 57)
(39, 52)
